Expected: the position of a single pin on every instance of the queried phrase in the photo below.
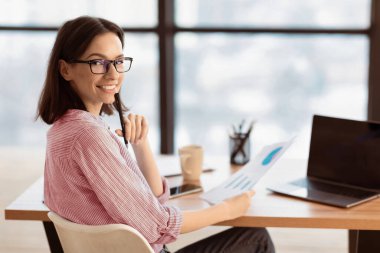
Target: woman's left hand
(136, 128)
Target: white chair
(112, 238)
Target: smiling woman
(70, 85)
(88, 168)
(93, 89)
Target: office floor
(20, 168)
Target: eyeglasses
(101, 66)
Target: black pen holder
(240, 149)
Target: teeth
(108, 87)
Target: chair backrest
(112, 238)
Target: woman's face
(96, 89)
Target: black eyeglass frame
(106, 65)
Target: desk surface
(267, 209)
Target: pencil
(118, 108)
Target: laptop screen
(345, 151)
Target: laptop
(344, 163)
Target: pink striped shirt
(90, 178)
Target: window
(273, 13)
(280, 79)
(277, 80)
(26, 39)
(47, 13)
(25, 57)
(200, 66)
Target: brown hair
(72, 40)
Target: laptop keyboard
(330, 188)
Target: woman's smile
(108, 88)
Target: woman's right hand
(238, 205)
(229, 209)
(136, 129)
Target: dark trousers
(236, 240)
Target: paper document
(246, 178)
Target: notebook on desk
(344, 163)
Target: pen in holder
(118, 108)
(240, 145)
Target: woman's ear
(64, 69)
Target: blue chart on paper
(248, 176)
(270, 156)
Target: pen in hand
(118, 108)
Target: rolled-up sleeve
(122, 189)
(164, 197)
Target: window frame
(166, 30)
